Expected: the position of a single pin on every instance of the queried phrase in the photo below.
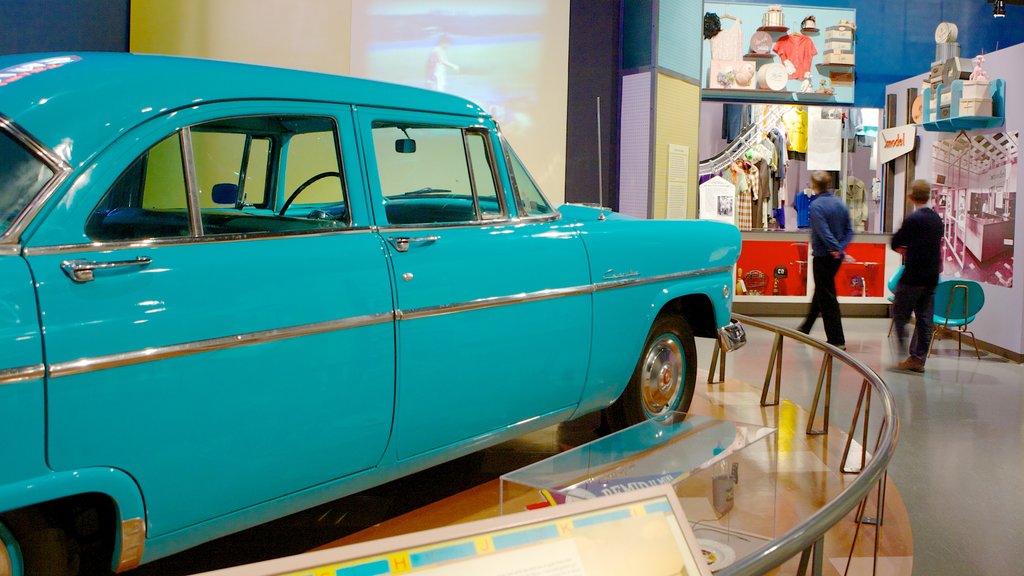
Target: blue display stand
(932, 123)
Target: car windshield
(530, 199)
(22, 176)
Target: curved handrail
(804, 535)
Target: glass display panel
(723, 473)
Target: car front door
(494, 311)
(221, 353)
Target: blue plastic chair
(957, 302)
(891, 285)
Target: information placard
(639, 532)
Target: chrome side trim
(549, 294)
(493, 302)
(613, 284)
(10, 249)
(404, 228)
(161, 242)
(61, 171)
(191, 188)
(83, 365)
(22, 374)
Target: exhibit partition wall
(509, 56)
(660, 109)
(972, 161)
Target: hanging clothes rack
(753, 134)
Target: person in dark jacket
(919, 239)
(831, 233)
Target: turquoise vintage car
(230, 292)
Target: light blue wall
(750, 15)
(680, 26)
(896, 38)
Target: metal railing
(807, 538)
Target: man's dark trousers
(825, 300)
(921, 301)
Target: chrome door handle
(82, 270)
(401, 243)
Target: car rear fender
(129, 508)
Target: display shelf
(760, 95)
(957, 122)
(844, 67)
(773, 29)
(759, 56)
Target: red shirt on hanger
(799, 50)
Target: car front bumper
(732, 336)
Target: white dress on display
(728, 44)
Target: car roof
(77, 103)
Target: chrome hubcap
(661, 384)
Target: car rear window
(22, 176)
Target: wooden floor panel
(807, 478)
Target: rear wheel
(10, 554)
(664, 378)
(39, 547)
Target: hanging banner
(895, 142)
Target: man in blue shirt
(919, 239)
(831, 233)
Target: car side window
(219, 158)
(148, 200)
(238, 163)
(530, 199)
(435, 175)
(313, 162)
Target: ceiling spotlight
(999, 9)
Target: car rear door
(495, 311)
(227, 363)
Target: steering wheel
(303, 186)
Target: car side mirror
(225, 193)
(405, 145)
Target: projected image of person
(438, 65)
(508, 56)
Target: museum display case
(723, 472)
